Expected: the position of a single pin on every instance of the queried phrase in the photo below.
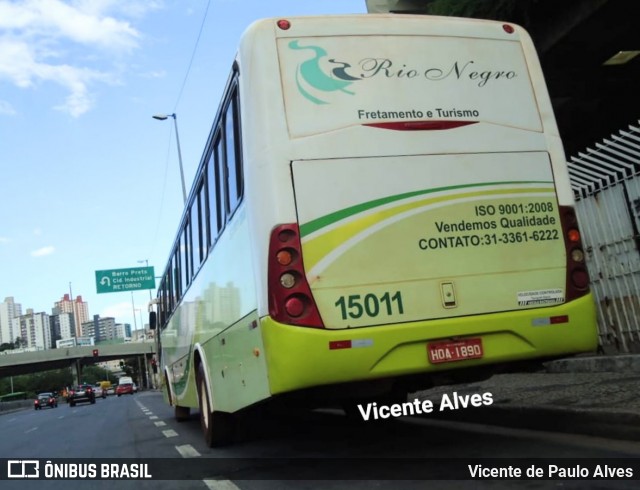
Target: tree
(53, 380)
(6, 346)
(94, 374)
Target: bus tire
(181, 413)
(217, 427)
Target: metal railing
(606, 183)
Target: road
(142, 426)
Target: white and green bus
(382, 203)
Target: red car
(124, 389)
(45, 400)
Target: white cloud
(44, 251)
(129, 8)
(6, 108)
(4, 239)
(54, 19)
(36, 35)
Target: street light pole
(146, 264)
(163, 117)
(133, 307)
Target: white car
(99, 391)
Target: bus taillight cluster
(577, 275)
(290, 299)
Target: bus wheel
(181, 413)
(218, 427)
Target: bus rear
(435, 226)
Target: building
(9, 310)
(60, 344)
(34, 330)
(78, 308)
(62, 326)
(105, 329)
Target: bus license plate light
(458, 350)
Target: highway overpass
(74, 357)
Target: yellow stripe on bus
(321, 245)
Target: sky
(88, 179)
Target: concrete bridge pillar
(76, 371)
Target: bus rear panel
(437, 243)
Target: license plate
(458, 350)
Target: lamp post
(139, 310)
(133, 308)
(163, 117)
(146, 264)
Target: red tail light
(290, 298)
(577, 275)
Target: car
(111, 390)
(99, 391)
(81, 393)
(135, 388)
(124, 389)
(45, 399)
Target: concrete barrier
(15, 405)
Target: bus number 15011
(357, 305)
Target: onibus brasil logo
(309, 74)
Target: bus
(382, 205)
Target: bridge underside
(34, 362)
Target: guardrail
(15, 405)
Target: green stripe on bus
(319, 223)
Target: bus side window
(186, 263)
(177, 290)
(164, 307)
(234, 184)
(169, 299)
(197, 228)
(213, 194)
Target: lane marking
(160, 424)
(30, 430)
(220, 485)
(154, 417)
(170, 433)
(187, 451)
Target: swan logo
(310, 77)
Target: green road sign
(120, 280)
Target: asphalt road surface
(400, 453)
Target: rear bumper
(81, 399)
(301, 357)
